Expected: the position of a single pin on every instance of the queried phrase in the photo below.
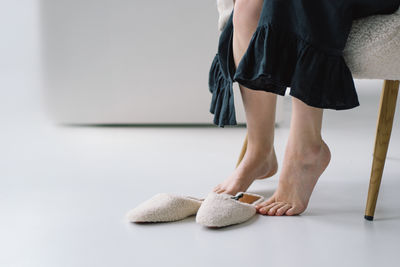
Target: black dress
(297, 44)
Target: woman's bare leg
(259, 160)
(306, 158)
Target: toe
(295, 210)
(229, 190)
(215, 189)
(232, 190)
(281, 211)
(264, 210)
(273, 210)
(220, 190)
(265, 203)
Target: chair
(373, 52)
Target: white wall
(119, 61)
(20, 97)
(23, 96)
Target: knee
(246, 14)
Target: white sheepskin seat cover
(373, 48)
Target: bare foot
(299, 176)
(252, 167)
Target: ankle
(306, 147)
(260, 152)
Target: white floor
(64, 192)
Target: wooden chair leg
(387, 109)
(244, 148)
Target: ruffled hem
(222, 102)
(275, 60)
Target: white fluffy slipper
(223, 209)
(165, 207)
